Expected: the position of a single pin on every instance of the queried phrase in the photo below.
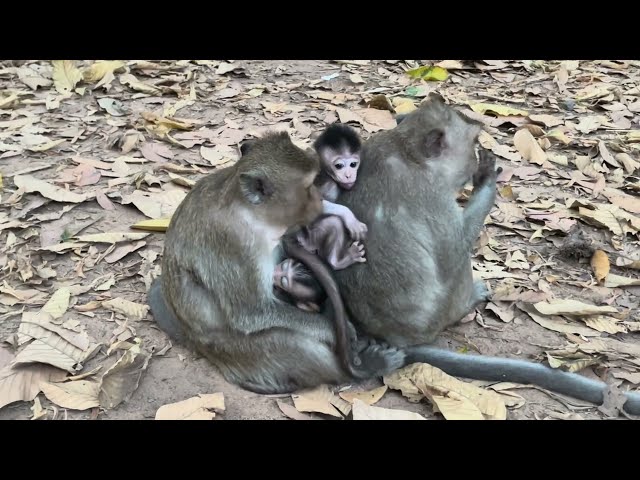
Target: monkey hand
(356, 228)
(486, 172)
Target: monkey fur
(216, 288)
(418, 279)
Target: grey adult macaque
(216, 287)
(418, 279)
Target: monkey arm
(356, 229)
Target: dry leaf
(23, 382)
(456, 400)
(546, 120)
(157, 225)
(132, 310)
(369, 397)
(75, 395)
(135, 84)
(194, 408)
(291, 412)
(606, 324)
(613, 281)
(528, 147)
(501, 110)
(156, 205)
(122, 379)
(65, 75)
(318, 400)
(600, 265)
(555, 323)
(123, 250)
(363, 411)
(99, 69)
(571, 307)
(218, 155)
(31, 184)
(111, 237)
(58, 303)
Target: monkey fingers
(486, 171)
(356, 228)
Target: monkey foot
(379, 360)
(356, 252)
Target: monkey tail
(324, 277)
(479, 367)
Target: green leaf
(429, 73)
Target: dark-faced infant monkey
(294, 283)
(216, 287)
(418, 278)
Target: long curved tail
(479, 367)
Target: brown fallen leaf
(23, 382)
(369, 397)
(156, 152)
(58, 303)
(613, 281)
(123, 250)
(75, 395)
(600, 265)
(319, 400)
(65, 75)
(156, 205)
(122, 379)
(603, 323)
(529, 148)
(96, 71)
(502, 311)
(291, 412)
(218, 155)
(31, 184)
(132, 310)
(556, 323)
(561, 306)
(111, 237)
(131, 81)
(104, 201)
(364, 411)
(456, 400)
(194, 408)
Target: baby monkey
(339, 150)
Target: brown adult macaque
(294, 283)
(418, 278)
(216, 288)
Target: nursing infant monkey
(221, 249)
(339, 150)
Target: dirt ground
(570, 133)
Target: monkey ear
(434, 143)
(246, 146)
(255, 187)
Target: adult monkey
(417, 280)
(216, 287)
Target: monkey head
(339, 150)
(443, 139)
(276, 182)
(297, 282)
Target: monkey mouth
(347, 186)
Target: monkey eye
(353, 164)
(339, 166)
(285, 282)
